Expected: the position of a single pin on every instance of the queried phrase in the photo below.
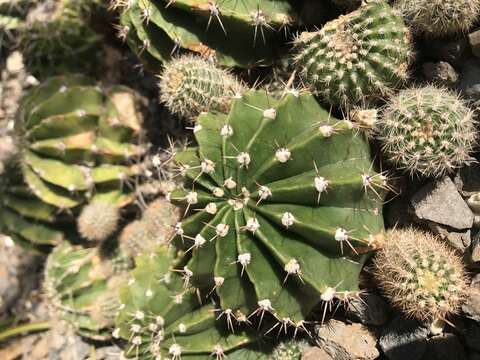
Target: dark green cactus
(236, 33)
(281, 201)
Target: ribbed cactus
(420, 275)
(161, 317)
(428, 131)
(190, 85)
(82, 288)
(280, 201)
(439, 18)
(356, 58)
(235, 33)
(78, 143)
(98, 220)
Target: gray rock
(347, 341)
(473, 355)
(441, 73)
(452, 51)
(472, 337)
(474, 40)
(441, 203)
(404, 339)
(471, 307)
(396, 212)
(467, 179)
(475, 249)
(445, 347)
(369, 309)
(469, 83)
(315, 353)
(459, 240)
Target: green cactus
(288, 350)
(161, 317)
(12, 18)
(427, 131)
(281, 201)
(78, 143)
(235, 33)
(82, 288)
(420, 275)
(357, 58)
(98, 220)
(190, 85)
(439, 18)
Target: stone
(469, 83)
(441, 203)
(467, 180)
(315, 353)
(404, 339)
(441, 73)
(459, 240)
(347, 341)
(452, 51)
(472, 336)
(473, 355)
(445, 347)
(369, 309)
(474, 41)
(475, 249)
(471, 306)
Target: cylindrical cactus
(428, 131)
(420, 275)
(190, 85)
(98, 220)
(356, 58)
(438, 18)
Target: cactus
(439, 18)
(427, 131)
(288, 350)
(234, 33)
(12, 17)
(78, 143)
(82, 288)
(281, 202)
(161, 317)
(98, 220)
(420, 275)
(190, 85)
(356, 58)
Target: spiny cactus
(78, 143)
(82, 288)
(280, 200)
(420, 275)
(190, 85)
(234, 33)
(356, 58)
(98, 220)
(12, 17)
(428, 131)
(161, 318)
(288, 350)
(439, 18)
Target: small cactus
(98, 220)
(190, 85)
(288, 350)
(439, 18)
(427, 131)
(420, 275)
(356, 58)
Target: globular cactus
(98, 220)
(439, 18)
(234, 33)
(356, 58)
(427, 131)
(190, 85)
(82, 288)
(78, 143)
(281, 201)
(161, 318)
(288, 350)
(420, 275)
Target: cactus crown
(428, 131)
(190, 85)
(357, 57)
(268, 184)
(98, 220)
(420, 275)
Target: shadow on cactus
(282, 204)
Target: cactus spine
(427, 131)
(98, 220)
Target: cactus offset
(356, 58)
(190, 85)
(98, 220)
(427, 131)
(280, 199)
(420, 275)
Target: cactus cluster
(420, 275)
(190, 85)
(357, 57)
(427, 131)
(235, 33)
(281, 205)
(439, 18)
